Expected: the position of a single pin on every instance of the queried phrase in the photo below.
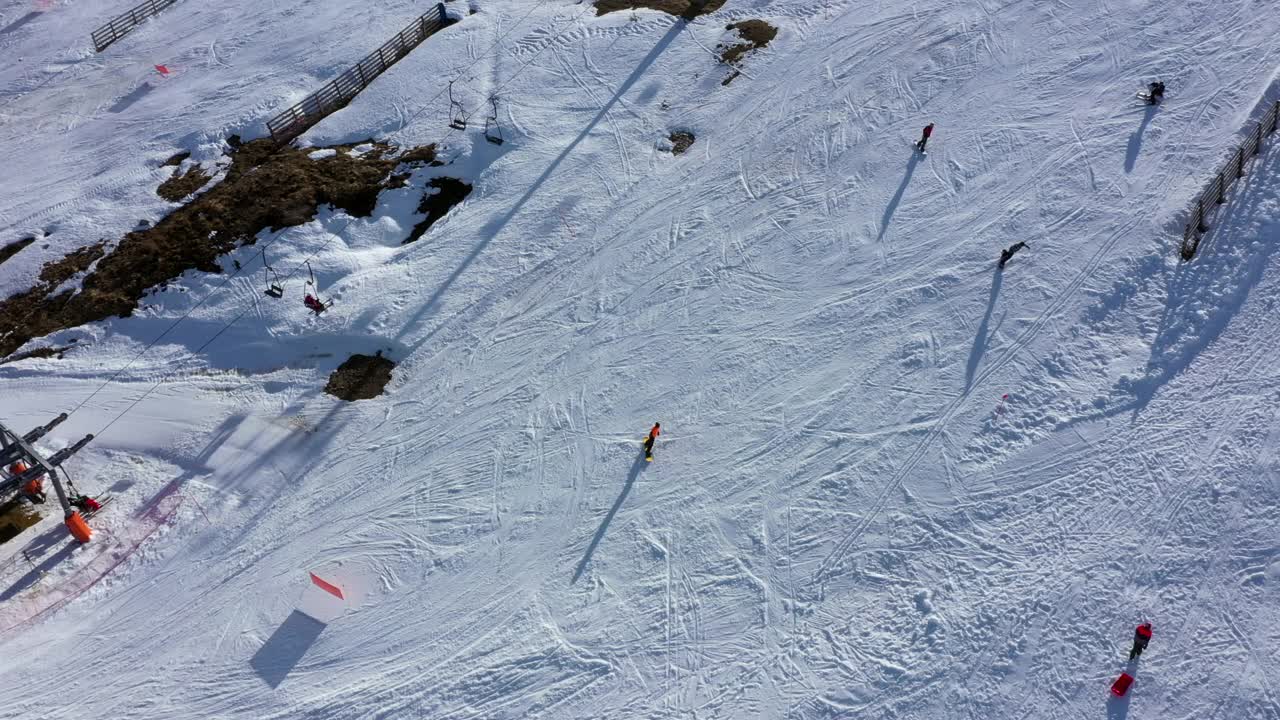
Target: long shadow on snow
(980, 340)
(37, 572)
(284, 649)
(1135, 140)
(1204, 295)
(636, 467)
(127, 101)
(20, 22)
(892, 207)
(490, 230)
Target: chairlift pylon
(492, 130)
(457, 113)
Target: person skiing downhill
(654, 432)
(924, 137)
(1141, 637)
(1155, 92)
(1009, 251)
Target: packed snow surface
(846, 516)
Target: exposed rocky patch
(266, 187)
(449, 192)
(754, 34)
(680, 141)
(49, 351)
(16, 516)
(181, 185)
(361, 377)
(687, 9)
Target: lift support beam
(20, 448)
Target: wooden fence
(340, 91)
(1216, 193)
(123, 24)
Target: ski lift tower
(15, 449)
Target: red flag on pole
(327, 586)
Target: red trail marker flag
(327, 586)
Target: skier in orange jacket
(654, 432)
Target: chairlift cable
(333, 236)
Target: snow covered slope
(839, 521)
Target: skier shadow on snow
(284, 649)
(980, 340)
(490, 230)
(636, 467)
(1135, 140)
(897, 196)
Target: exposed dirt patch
(176, 160)
(14, 248)
(755, 35)
(179, 186)
(40, 352)
(425, 155)
(59, 271)
(687, 9)
(267, 187)
(680, 141)
(361, 377)
(449, 192)
(16, 516)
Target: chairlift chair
(492, 130)
(457, 113)
(274, 288)
(311, 293)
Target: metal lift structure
(20, 463)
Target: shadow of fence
(1216, 193)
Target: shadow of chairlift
(457, 113)
(492, 130)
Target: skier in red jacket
(1141, 637)
(86, 504)
(924, 137)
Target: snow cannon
(1121, 685)
(79, 528)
